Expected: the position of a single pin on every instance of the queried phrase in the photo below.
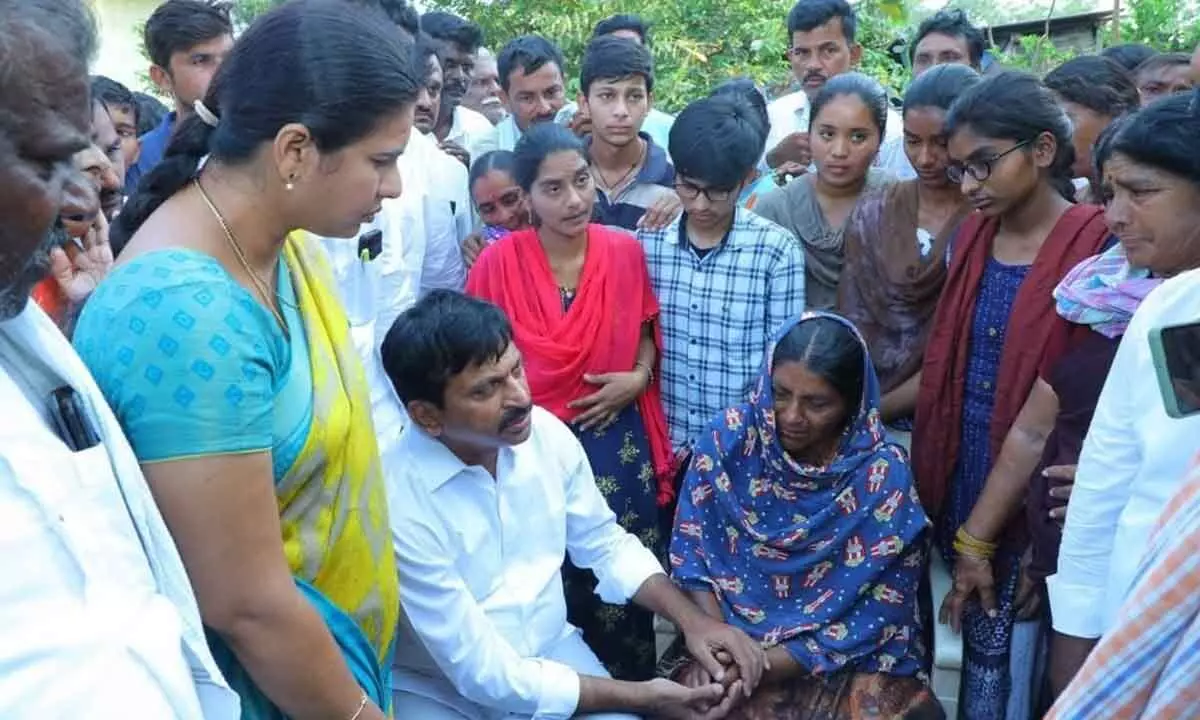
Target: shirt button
(992, 332)
(692, 341)
(987, 385)
(695, 306)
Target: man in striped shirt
(725, 278)
(1148, 665)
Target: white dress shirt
(789, 114)
(446, 215)
(1134, 459)
(480, 562)
(468, 128)
(97, 614)
(503, 136)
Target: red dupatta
(1080, 233)
(600, 333)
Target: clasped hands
(726, 668)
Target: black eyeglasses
(979, 169)
(688, 191)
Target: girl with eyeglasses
(1010, 151)
(846, 128)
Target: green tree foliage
(1166, 25)
(696, 44)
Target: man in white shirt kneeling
(487, 495)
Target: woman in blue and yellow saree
(222, 348)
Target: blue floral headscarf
(825, 560)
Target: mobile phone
(1175, 350)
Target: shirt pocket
(64, 520)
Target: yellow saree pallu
(332, 501)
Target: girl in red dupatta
(1010, 150)
(896, 244)
(584, 318)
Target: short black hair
(745, 90)
(449, 27)
(424, 48)
(717, 140)
(623, 21)
(445, 333)
(1163, 60)
(150, 112)
(810, 14)
(527, 53)
(399, 12)
(112, 93)
(179, 25)
(1129, 55)
(1096, 83)
(953, 23)
(615, 58)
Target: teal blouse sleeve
(187, 359)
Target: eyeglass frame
(707, 192)
(964, 169)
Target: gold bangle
(362, 705)
(967, 544)
(964, 551)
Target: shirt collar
(437, 465)
(729, 240)
(655, 170)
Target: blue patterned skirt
(622, 636)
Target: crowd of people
(374, 377)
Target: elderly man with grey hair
(99, 619)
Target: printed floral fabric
(823, 560)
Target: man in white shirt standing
(532, 85)
(459, 129)
(822, 46)
(483, 96)
(1134, 458)
(448, 208)
(486, 498)
(97, 614)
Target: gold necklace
(259, 283)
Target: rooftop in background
(1080, 32)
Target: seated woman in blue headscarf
(799, 524)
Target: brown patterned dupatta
(890, 285)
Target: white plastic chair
(947, 646)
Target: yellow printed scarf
(332, 501)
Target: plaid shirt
(1148, 665)
(718, 313)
